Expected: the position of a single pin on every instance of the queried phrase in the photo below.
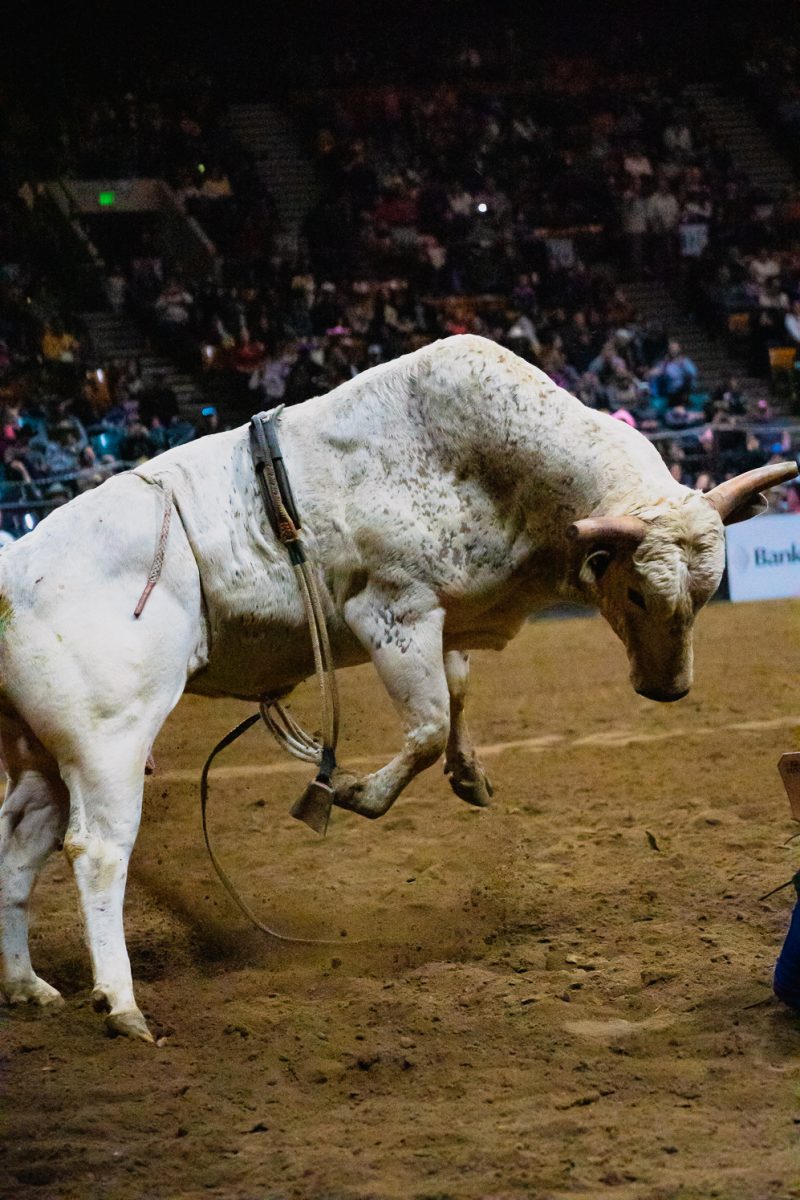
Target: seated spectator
(622, 391)
(634, 223)
(173, 305)
(727, 398)
(607, 364)
(95, 398)
(791, 323)
(158, 401)
(663, 213)
(137, 445)
(764, 266)
(248, 354)
(19, 482)
(793, 498)
(270, 377)
(772, 296)
(57, 494)
(55, 449)
(674, 376)
(58, 345)
(91, 473)
(555, 365)
(523, 332)
(580, 341)
(208, 423)
(636, 163)
(9, 425)
(763, 414)
(677, 138)
(305, 379)
(60, 350)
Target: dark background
(265, 49)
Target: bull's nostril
(662, 697)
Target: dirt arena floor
(566, 995)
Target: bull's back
(68, 591)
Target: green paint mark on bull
(6, 613)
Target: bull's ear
(594, 567)
(740, 498)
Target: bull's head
(651, 574)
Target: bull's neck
(532, 446)
(568, 460)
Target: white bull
(443, 496)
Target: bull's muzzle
(661, 694)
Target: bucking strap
(315, 804)
(276, 491)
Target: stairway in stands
(283, 166)
(753, 153)
(654, 303)
(116, 337)
(745, 140)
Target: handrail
(39, 485)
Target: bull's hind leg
(32, 823)
(468, 779)
(105, 808)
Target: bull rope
(314, 806)
(222, 873)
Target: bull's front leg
(467, 777)
(405, 644)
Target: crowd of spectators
(507, 213)
(67, 421)
(747, 280)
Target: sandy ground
(566, 995)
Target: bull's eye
(598, 563)
(636, 598)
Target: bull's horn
(608, 529)
(733, 493)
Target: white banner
(764, 557)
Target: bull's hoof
(470, 782)
(33, 991)
(354, 793)
(129, 1024)
(348, 789)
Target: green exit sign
(106, 199)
